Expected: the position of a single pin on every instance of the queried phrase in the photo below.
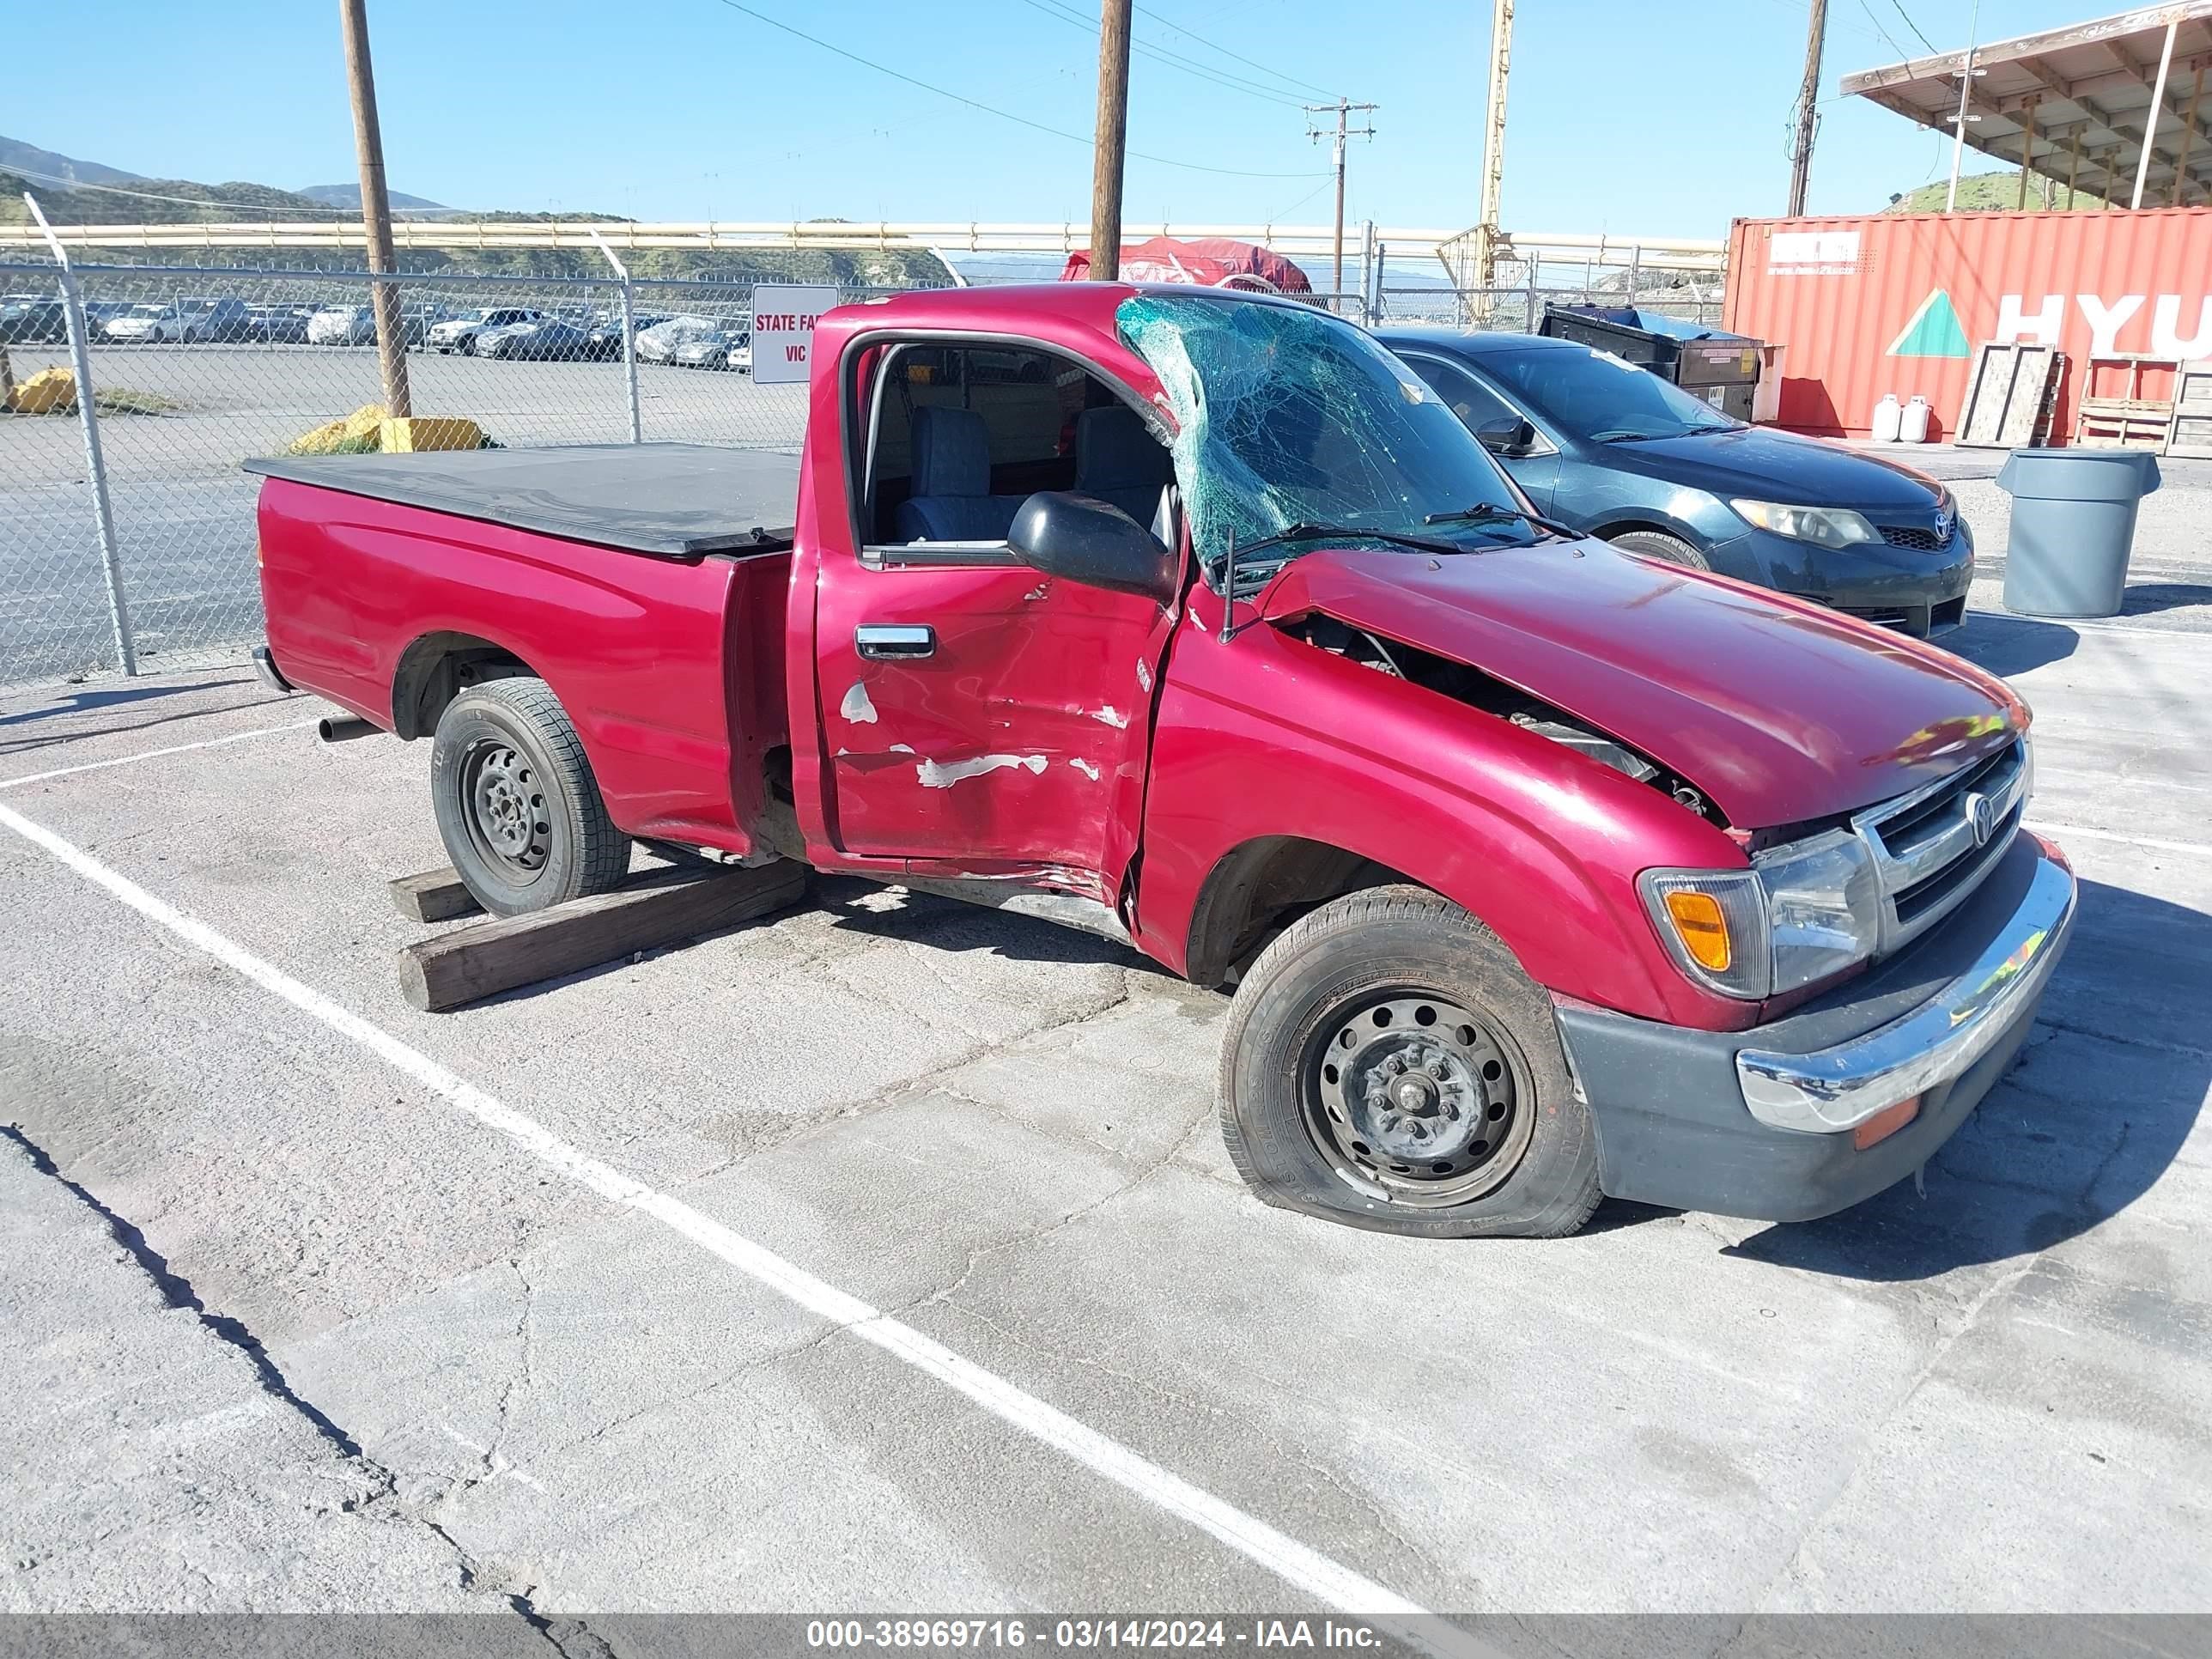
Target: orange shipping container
(1897, 303)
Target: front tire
(1657, 544)
(1388, 1064)
(517, 806)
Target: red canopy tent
(1208, 262)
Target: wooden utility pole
(1809, 108)
(1342, 111)
(1486, 228)
(375, 208)
(1110, 149)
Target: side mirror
(1508, 436)
(1091, 542)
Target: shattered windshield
(1289, 417)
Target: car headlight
(1800, 914)
(1825, 526)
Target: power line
(989, 109)
(1211, 45)
(1914, 27)
(1885, 35)
(1160, 54)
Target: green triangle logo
(1934, 330)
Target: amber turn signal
(1702, 928)
(1885, 1123)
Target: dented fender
(1269, 737)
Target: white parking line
(1307, 1570)
(152, 754)
(2126, 839)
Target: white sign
(783, 331)
(1813, 253)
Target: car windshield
(149, 311)
(1288, 416)
(1601, 398)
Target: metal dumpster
(1709, 363)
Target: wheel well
(437, 669)
(1628, 525)
(1260, 887)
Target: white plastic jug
(1888, 419)
(1912, 426)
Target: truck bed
(665, 501)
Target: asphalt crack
(382, 1505)
(178, 1292)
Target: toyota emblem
(1943, 525)
(1982, 816)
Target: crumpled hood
(1781, 711)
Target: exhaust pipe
(345, 728)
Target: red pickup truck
(1194, 619)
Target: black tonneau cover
(669, 501)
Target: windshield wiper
(1492, 513)
(1310, 532)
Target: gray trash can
(2073, 524)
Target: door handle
(894, 641)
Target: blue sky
(1626, 116)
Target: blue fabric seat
(952, 499)
(1118, 460)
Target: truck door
(980, 717)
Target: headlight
(1825, 526)
(1802, 913)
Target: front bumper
(1759, 1123)
(1919, 593)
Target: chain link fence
(131, 534)
(192, 370)
(1514, 302)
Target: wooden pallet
(2191, 432)
(2130, 421)
(2010, 394)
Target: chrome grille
(1934, 846)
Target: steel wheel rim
(503, 804)
(1417, 1099)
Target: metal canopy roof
(2078, 101)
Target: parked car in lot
(712, 349)
(418, 317)
(459, 334)
(659, 343)
(277, 325)
(30, 320)
(1616, 451)
(150, 323)
(342, 325)
(221, 322)
(549, 339)
(605, 335)
(1541, 870)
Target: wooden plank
(2009, 396)
(663, 908)
(434, 895)
(2027, 418)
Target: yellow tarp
(368, 430)
(49, 391)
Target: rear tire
(1667, 550)
(517, 806)
(1388, 1064)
